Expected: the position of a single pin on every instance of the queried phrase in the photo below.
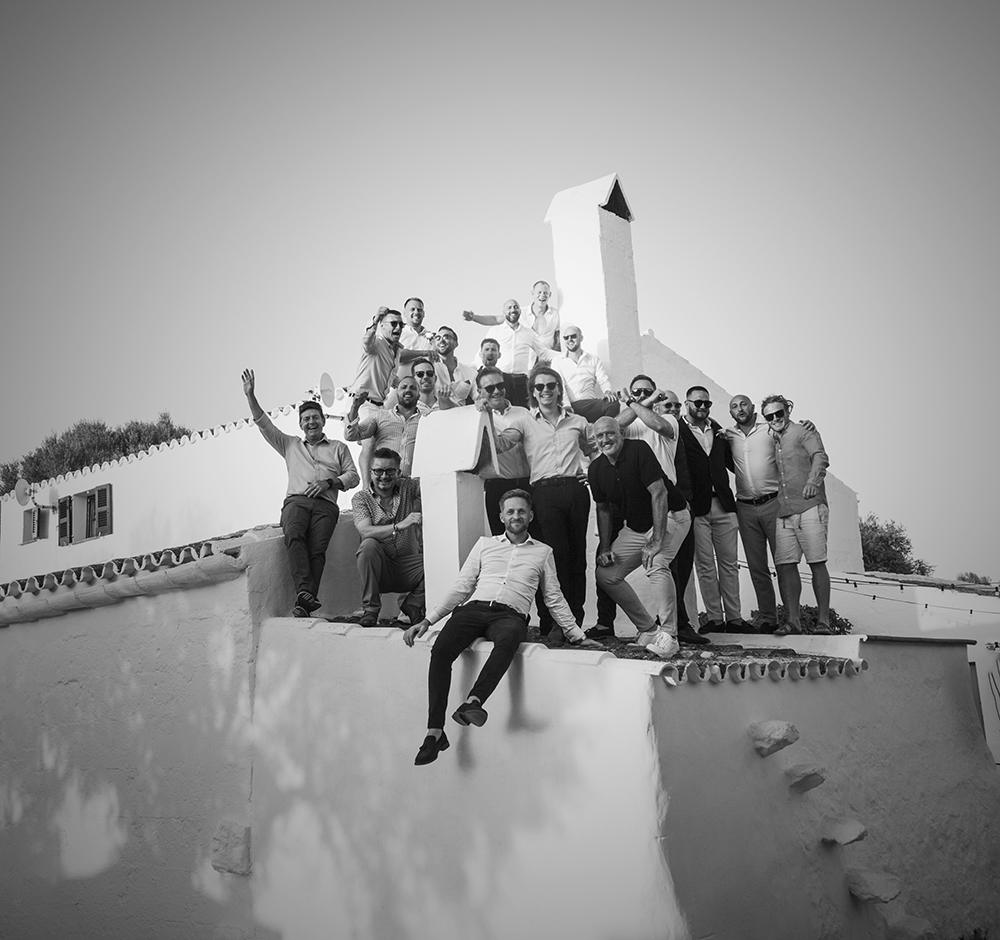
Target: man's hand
(415, 632)
(807, 424)
(604, 559)
(467, 315)
(610, 396)
(414, 518)
(649, 551)
(321, 486)
(248, 382)
(359, 399)
(809, 490)
(587, 644)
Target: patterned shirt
(389, 428)
(368, 508)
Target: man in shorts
(803, 512)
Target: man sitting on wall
(318, 469)
(391, 554)
(494, 588)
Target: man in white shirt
(490, 599)
(415, 335)
(540, 318)
(588, 387)
(455, 379)
(756, 500)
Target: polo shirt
(625, 484)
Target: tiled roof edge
(100, 585)
(195, 437)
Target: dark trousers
(492, 491)
(308, 525)
(379, 572)
(681, 568)
(562, 513)
(503, 626)
(516, 388)
(607, 609)
(594, 408)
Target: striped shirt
(508, 573)
(389, 428)
(310, 463)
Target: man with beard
(394, 427)
(655, 522)
(455, 379)
(490, 599)
(520, 349)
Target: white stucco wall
(219, 481)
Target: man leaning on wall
(318, 469)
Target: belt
(556, 481)
(759, 501)
(495, 605)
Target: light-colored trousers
(715, 537)
(627, 549)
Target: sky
(190, 188)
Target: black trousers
(492, 491)
(562, 513)
(680, 568)
(503, 626)
(307, 523)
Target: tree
(970, 577)
(85, 444)
(885, 546)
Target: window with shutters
(86, 515)
(36, 525)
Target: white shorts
(802, 533)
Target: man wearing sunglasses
(394, 427)
(514, 471)
(390, 556)
(713, 506)
(520, 348)
(588, 388)
(803, 512)
(456, 380)
(555, 442)
(651, 415)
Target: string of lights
(854, 582)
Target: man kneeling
(494, 588)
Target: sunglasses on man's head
(546, 386)
(775, 415)
(490, 389)
(423, 373)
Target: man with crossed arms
(490, 599)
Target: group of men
(658, 473)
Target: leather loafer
(739, 626)
(713, 626)
(687, 635)
(470, 713)
(369, 618)
(430, 749)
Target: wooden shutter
(66, 520)
(30, 526)
(104, 510)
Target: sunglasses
(775, 415)
(491, 389)
(384, 471)
(700, 402)
(640, 392)
(546, 386)
(423, 373)
(569, 335)
(672, 405)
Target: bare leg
(791, 590)
(821, 588)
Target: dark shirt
(625, 484)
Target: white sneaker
(664, 645)
(644, 638)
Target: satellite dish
(22, 492)
(327, 392)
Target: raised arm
(644, 412)
(270, 433)
(484, 319)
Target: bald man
(588, 387)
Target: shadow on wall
(495, 839)
(126, 739)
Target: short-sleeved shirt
(366, 506)
(625, 483)
(664, 447)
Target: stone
(909, 927)
(231, 848)
(878, 886)
(771, 736)
(843, 831)
(805, 777)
